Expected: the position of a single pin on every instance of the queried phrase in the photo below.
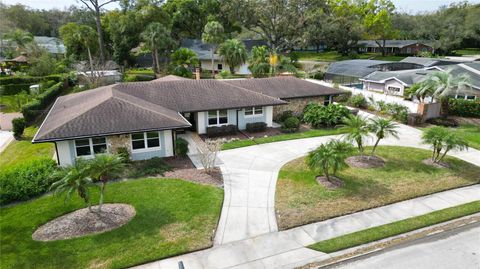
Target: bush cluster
(181, 147)
(27, 180)
(256, 127)
(290, 125)
(138, 77)
(396, 111)
(357, 100)
(12, 89)
(18, 126)
(318, 115)
(151, 167)
(216, 131)
(443, 122)
(464, 108)
(34, 108)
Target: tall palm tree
(234, 52)
(20, 37)
(382, 128)
(182, 60)
(86, 36)
(446, 84)
(328, 158)
(105, 167)
(157, 37)
(72, 179)
(213, 34)
(358, 130)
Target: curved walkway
(247, 235)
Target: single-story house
(205, 55)
(430, 62)
(395, 82)
(402, 47)
(143, 117)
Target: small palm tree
(213, 34)
(453, 142)
(358, 130)
(105, 167)
(382, 128)
(446, 84)
(234, 52)
(72, 179)
(182, 60)
(329, 158)
(440, 138)
(20, 37)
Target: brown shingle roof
(170, 78)
(284, 87)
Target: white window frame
(145, 141)
(218, 118)
(90, 144)
(254, 110)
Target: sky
(409, 6)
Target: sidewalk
(287, 249)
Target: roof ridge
(250, 91)
(117, 92)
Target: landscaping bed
(300, 199)
(172, 217)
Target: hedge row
(34, 108)
(27, 180)
(221, 130)
(12, 89)
(30, 80)
(464, 108)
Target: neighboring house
(53, 45)
(143, 117)
(395, 82)
(429, 62)
(350, 72)
(402, 47)
(100, 77)
(205, 56)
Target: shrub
(443, 122)
(396, 111)
(357, 100)
(291, 125)
(342, 98)
(256, 127)
(151, 167)
(284, 115)
(124, 153)
(18, 125)
(221, 130)
(181, 147)
(12, 89)
(27, 180)
(34, 108)
(138, 77)
(464, 108)
(225, 74)
(320, 116)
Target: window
(409, 50)
(85, 147)
(254, 111)
(327, 100)
(145, 140)
(470, 97)
(219, 67)
(393, 89)
(217, 117)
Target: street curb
(376, 246)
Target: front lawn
(172, 217)
(23, 150)
(395, 228)
(471, 133)
(300, 199)
(282, 137)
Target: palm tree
(259, 61)
(103, 168)
(213, 34)
(234, 52)
(329, 158)
(86, 35)
(358, 130)
(72, 179)
(453, 141)
(20, 37)
(440, 138)
(446, 84)
(382, 128)
(157, 37)
(182, 59)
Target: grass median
(395, 228)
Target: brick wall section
(296, 105)
(115, 142)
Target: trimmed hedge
(12, 89)
(18, 125)
(34, 108)
(14, 85)
(27, 180)
(256, 127)
(464, 108)
(290, 125)
(221, 130)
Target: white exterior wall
(241, 70)
(396, 84)
(201, 120)
(65, 153)
(269, 115)
(168, 139)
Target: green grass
(299, 199)
(467, 51)
(282, 137)
(471, 133)
(13, 103)
(172, 217)
(395, 228)
(23, 150)
(333, 56)
(142, 71)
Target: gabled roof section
(406, 77)
(393, 43)
(427, 62)
(196, 95)
(284, 87)
(170, 78)
(104, 111)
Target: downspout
(174, 137)
(238, 129)
(56, 153)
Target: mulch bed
(195, 175)
(436, 165)
(333, 183)
(83, 222)
(365, 162)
